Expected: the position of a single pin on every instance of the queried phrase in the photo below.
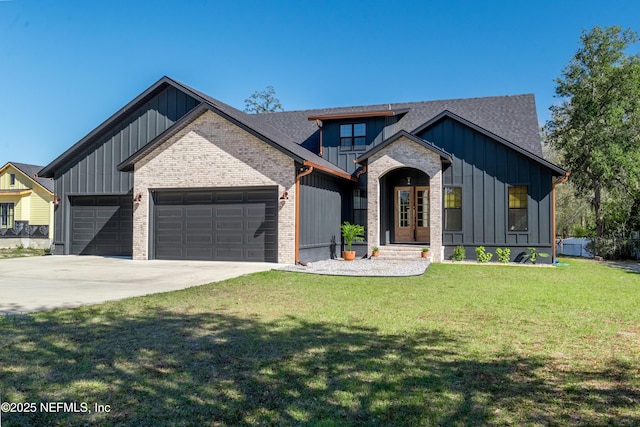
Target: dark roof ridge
(385, 106)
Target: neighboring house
(26, 206)
(176, 174)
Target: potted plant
(375, 251)
(425, 252)
(351, 232)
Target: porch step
(401, 252)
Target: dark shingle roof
(31, 171)
(513, 118)
(250, 122)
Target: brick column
(405, 153)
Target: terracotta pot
(425, 254)
(375, 253)
(348, 255)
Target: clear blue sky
(66, 65)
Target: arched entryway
(405, 209)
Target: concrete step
(397, 252)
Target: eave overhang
(357, 115)
(16, 192)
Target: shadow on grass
(165, 368)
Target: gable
(25, 178)
(213, 152)
(472, 146)
(133, 126)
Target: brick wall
(213, 152)
(405, 153)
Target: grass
(461, 345)
(20, 251)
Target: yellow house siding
(40, 208)
(22, 182)
(22, 209)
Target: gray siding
(320, 217)
(485, 169)
(378, 129)
(94, 170)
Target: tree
(596, 127)
(263, 102)
(574, 216)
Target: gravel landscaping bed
(363, 267)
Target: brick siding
(213, 152)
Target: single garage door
(218, 225)
(102, 225)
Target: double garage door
(218, 225)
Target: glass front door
(411, 217)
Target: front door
(411, 217)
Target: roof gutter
(559, 181)
(305, 172)
(330, 171)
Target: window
(6, 215)
(518, 208)
(353, 136)
(452, 209)
(12, 179)
(360, 207)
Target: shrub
(482, 255)
(534, 254)
(459, 253)
(504, 255)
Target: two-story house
(176, 174)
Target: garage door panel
(198, 239)
(233, 225)
(101, 225)
(229, 211)
(198, 212)
(229, 196)
(229, 239)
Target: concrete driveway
(51, 282)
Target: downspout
(562, 180)
(305, 172)
(319, 124)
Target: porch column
(435, 220)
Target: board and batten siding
(484, 169)
(320, 217)
(378, 129)
(94, 170)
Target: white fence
(574, 246)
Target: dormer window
(353, 136)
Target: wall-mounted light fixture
(408, 180)
(56, 200)
(137, 198)
(285, 196)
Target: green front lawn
(461, 345)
